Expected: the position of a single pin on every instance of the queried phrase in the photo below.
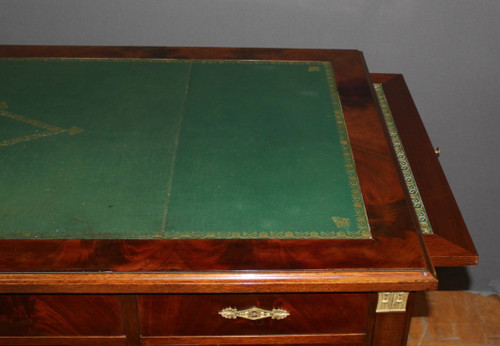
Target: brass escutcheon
(254, 313)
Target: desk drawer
(198, 315)
(59, 315)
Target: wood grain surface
(183, 315)
(60, 315)
(458, 318)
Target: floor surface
(455, 318)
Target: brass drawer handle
(254, 313)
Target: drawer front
(60, 315)
(198, 315)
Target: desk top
(390, 256)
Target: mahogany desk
(233, 288)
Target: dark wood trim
(170, 52)
(370, 321)
(451, 244)
(409, 314)
(256, 340)
(63, 340)
(130, 316)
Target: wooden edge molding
(220, 282)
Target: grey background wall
(448, 51)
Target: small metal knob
(437, 151)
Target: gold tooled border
(409, 179)
(363, 228)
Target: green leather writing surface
(102, 148)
